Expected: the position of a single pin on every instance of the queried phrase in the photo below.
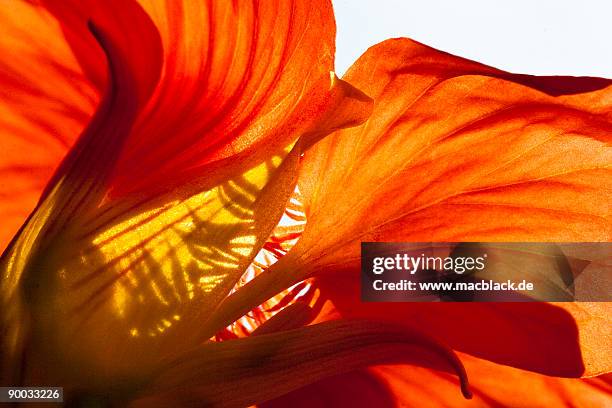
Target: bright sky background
(542, 37)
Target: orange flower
(151, 148)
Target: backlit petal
(45, 102)
(237, 76)
(171, 190)
(76, 187)
(457, 151)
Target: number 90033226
(31, 394)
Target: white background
(540, 37)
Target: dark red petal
(492, 385)
(539, 337)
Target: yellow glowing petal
(144, 284)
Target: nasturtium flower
(185, 185)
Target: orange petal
(493, 386)
(228, 86)
(457, 151)
(48, 97)
(237, 76)
(210, 159)
(77, 185)
(45, 102)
